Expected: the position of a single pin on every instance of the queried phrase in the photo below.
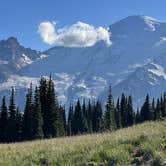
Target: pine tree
(12, 128)
(118, 117)
(123, 110)
(146, 111)
(89, 117)
(3, 121)
(110, 112)
(131, 116)
(37, 117)
(97, 117)
(43, 87)
(28, 117)
(137, 117)
(62, 121)
(153, 108)
(84, 110)
(158, 113)
(164, 105)
(79, 122)
(70, 120)
(51, 125)
(19, 125)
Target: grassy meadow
(143, 144)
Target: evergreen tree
(19, 125)
(164, 105)
(43, 87)
(3, 121)
(79, 122)
(51, 125)
(97, 117)
(70, 121)
(12, 128)
(84, 110)
(158, 113)
(89, 117)
(37, 117)
(110, 112)
(137, 117)
(153, 108)
(28, 117)
(131, 115)
(118, 118)
(85, 113)
(62, 121)
(124, 111)
(146, 111)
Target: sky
(22, 19)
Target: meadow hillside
(143, 144)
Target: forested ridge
(43, 117)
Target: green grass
(143, 144)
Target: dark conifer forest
(43, 117)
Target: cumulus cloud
(77, 35)
(47, 32)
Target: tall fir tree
(79, 122)
(19, 125)
(158, 112)
(89, 117)
(110, 112)
(37, 116)
(51, 125)
(70, 121)
(43, 87)
(97, 117)
(146, 110)
(62, 121)
(164, 105)
(137, 116)
(131, 115)
(12, 128)
(153, 108)
(3, 121)
(27, 116)
(118, 118)
(84, 110)
(124, 111)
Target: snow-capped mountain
(147, 79)
(13, 56)
(134, 63)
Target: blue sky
(21, 18)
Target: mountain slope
(142, 144)
(88, 71)
(14, 56)
(149, 78)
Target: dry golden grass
(122, 147)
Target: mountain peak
(140, 18)
(12, 41)
(135, 23)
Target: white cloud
(47, 32)
(76, 35)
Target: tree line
(43, 117)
